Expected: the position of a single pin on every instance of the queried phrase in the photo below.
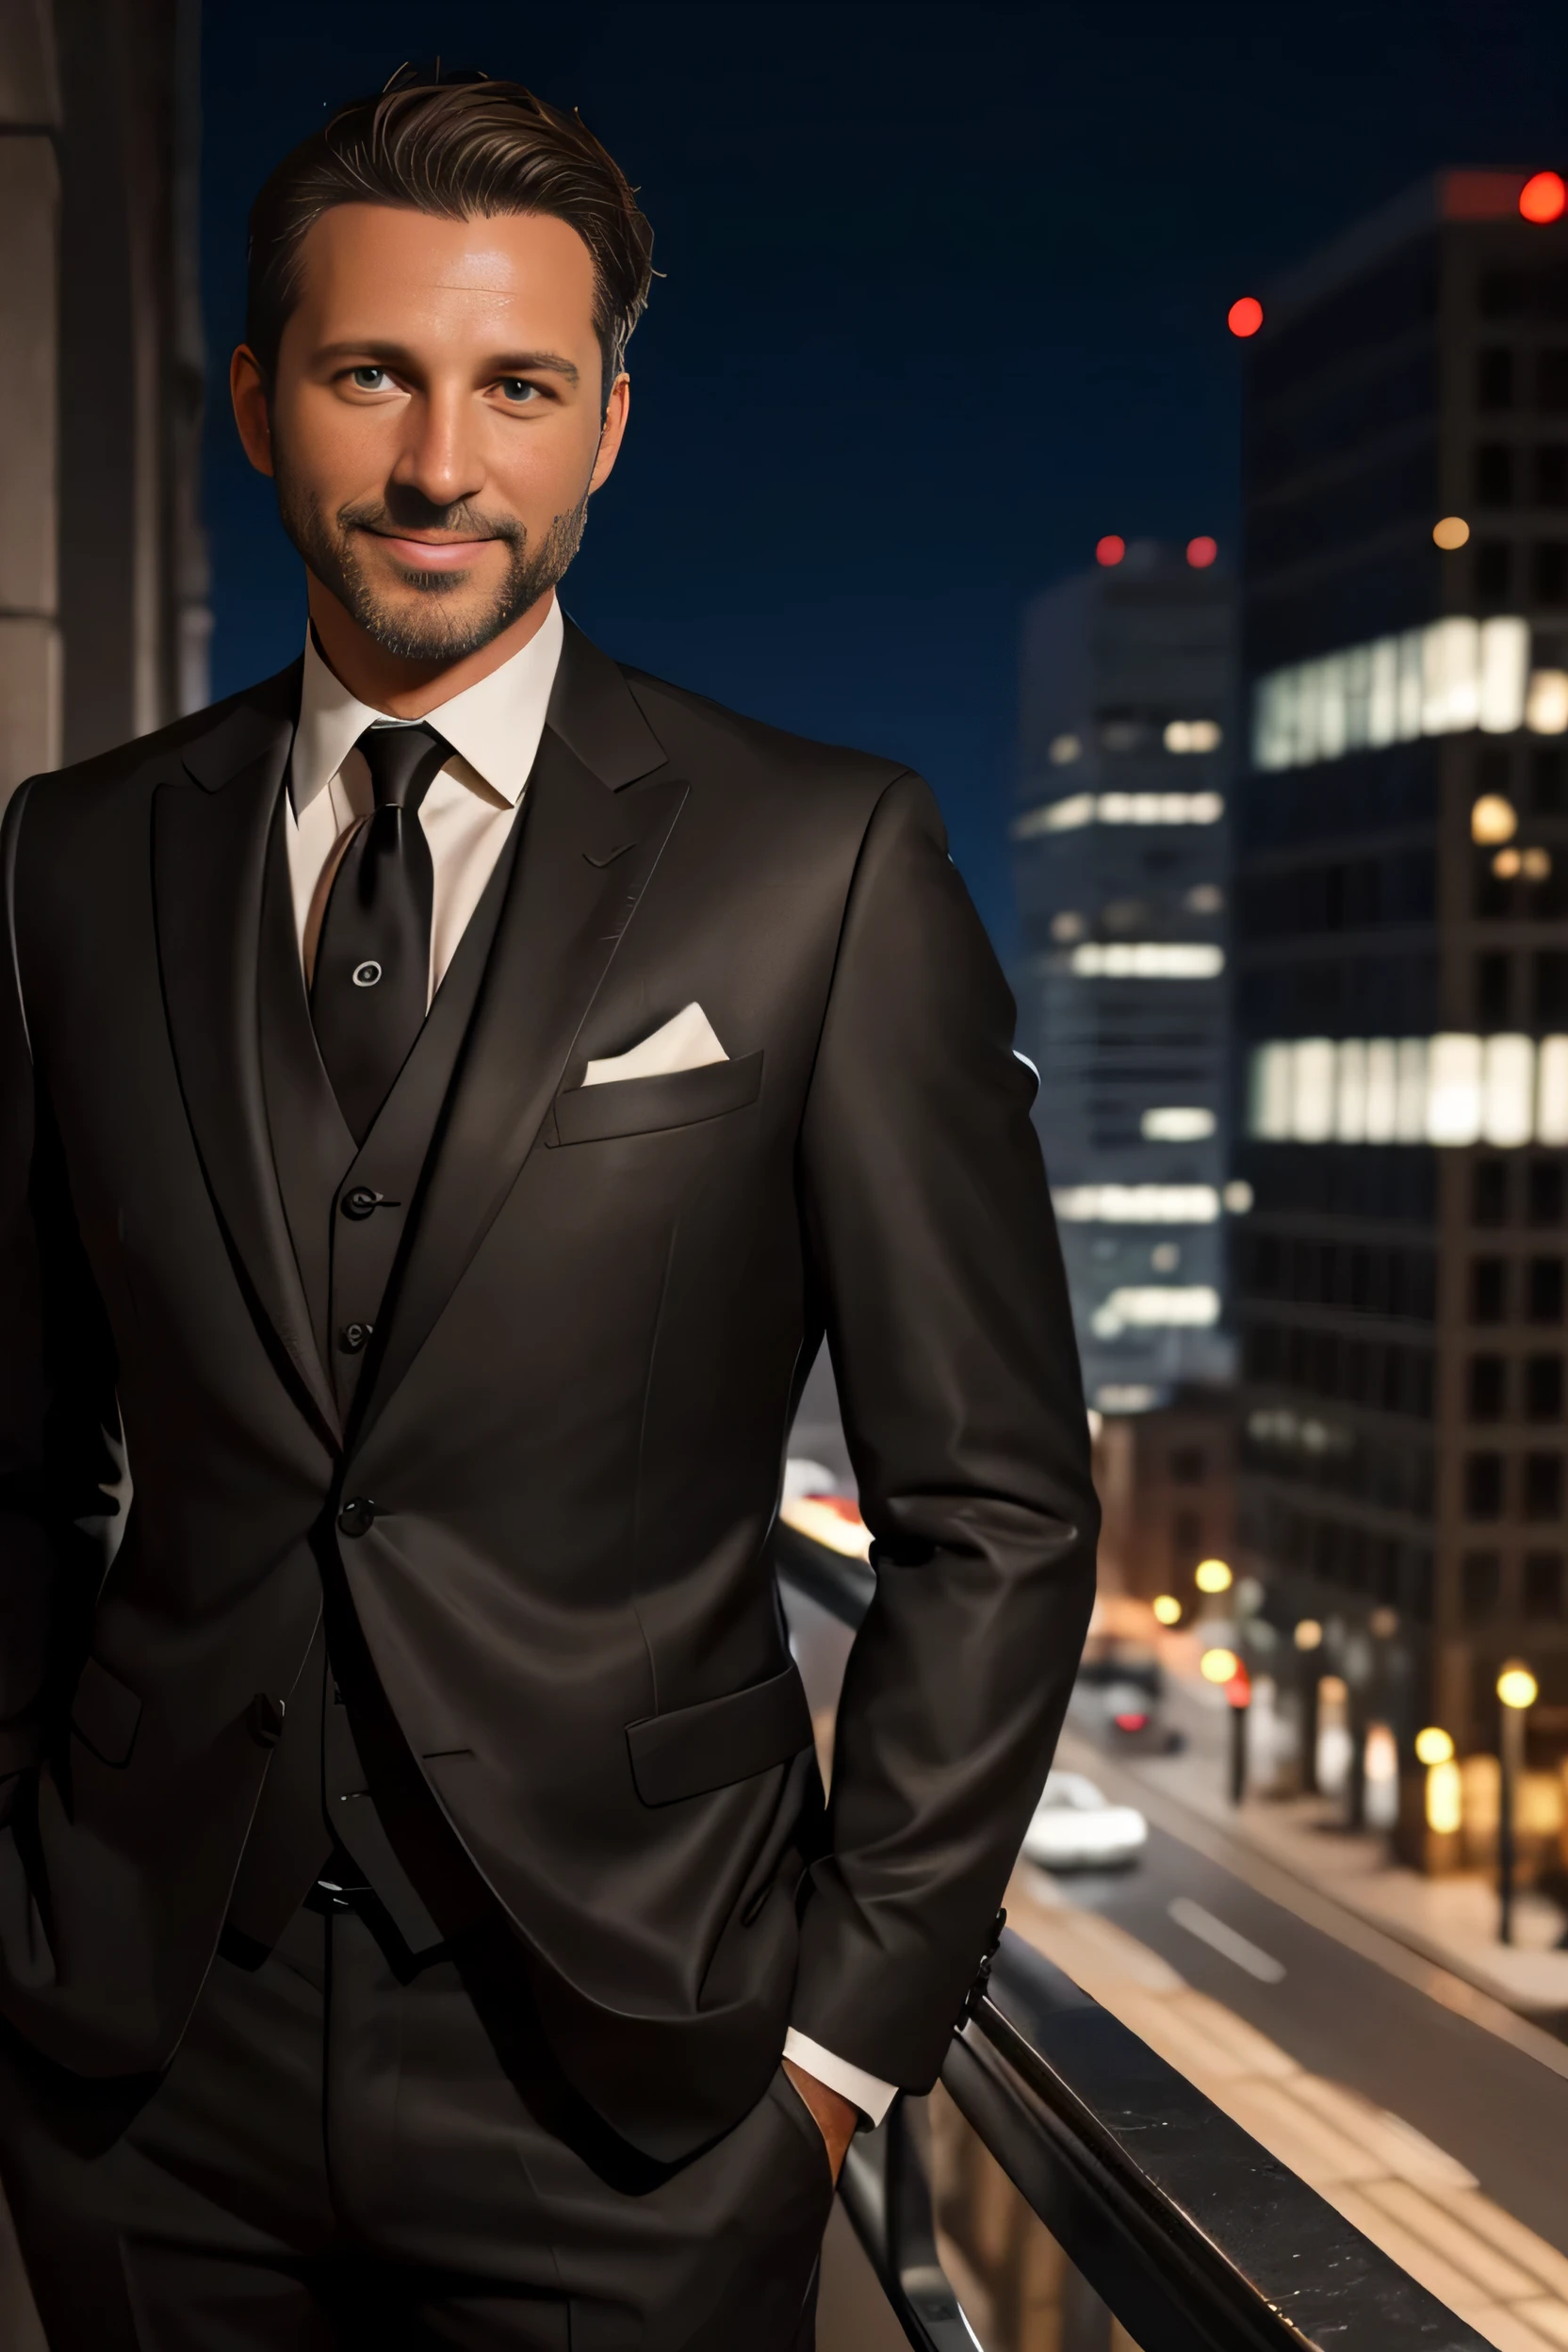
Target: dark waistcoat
(341, 1774)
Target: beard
(436, 628)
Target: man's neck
(405, 689)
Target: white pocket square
(685, 1042)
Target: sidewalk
(1451, 1921)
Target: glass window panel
(1383, 708)
(1454, 1089)
(1411, 1123)
(1551, 1092)
(1270, 1108)
(1350, 1105)
(1504, 675)
(1508, 1105)
(1311, 1110)
(1383, 1090)
(1408, 706)
(1331, 725)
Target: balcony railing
(1171, 2217)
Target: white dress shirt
(494, 729)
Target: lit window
(1452, 675)
(1177, 1123)
(1547, 709)
(1237, 1196)
(1185, 735)
(1148, 959)
(1136, 1204)
(1451, 1090)
(1189, 1306)
(1066, 927)
(1064, 750)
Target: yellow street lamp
(1167, 1609)
(1213, 1575)
(1433, 1746)
(1518, 1690)
(1308, 1635)
(1218, 1665)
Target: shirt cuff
(873, 2097)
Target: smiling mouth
(431, 555)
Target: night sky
(944, 300)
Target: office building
(1120, 856)
(1400, 951)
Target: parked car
(1077, 1828)
(1119, 1698)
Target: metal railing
(1187, 2230)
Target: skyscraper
(1121, 852)
(1401, 950)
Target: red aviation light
(1543, 198)
(1110, 550)
(1202, 553)
(1246, 316)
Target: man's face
(435, 422)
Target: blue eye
(518, 390)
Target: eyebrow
(502, 363)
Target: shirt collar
(494, 727)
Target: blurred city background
(1151, 422)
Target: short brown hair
(460, 149)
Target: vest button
(352, 1337)
(359, 1203)
(264, 1719)
(357, 1516)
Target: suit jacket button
(357, 1516)
(360, 1201)
(264, 1719)
(352, 1337)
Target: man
(450, 1090)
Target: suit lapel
(210, 831)
(587, 852)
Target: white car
(1076, 1828)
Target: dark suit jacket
(553, 1508)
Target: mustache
(414, 513)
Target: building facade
(1121, 852)
(1402, 955)
(104, 617)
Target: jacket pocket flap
(694, 1749)
(677, 1098)
(106, 1714)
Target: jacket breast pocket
(693, 1750)
(105, 1715)
(639, 1106)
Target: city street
(1499, 2110)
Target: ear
(617, 408)
(251, 415)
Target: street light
(1212, 1575)
(1518, 1690)
(1167, 1609)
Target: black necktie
(369, 994)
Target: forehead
(380, 271)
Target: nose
(440, 460)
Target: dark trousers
(338, 2158)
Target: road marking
(1406, 1960)
(1224, 1940)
